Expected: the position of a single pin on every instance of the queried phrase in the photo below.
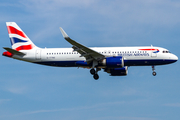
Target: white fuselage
(114, 60)
(66, 57)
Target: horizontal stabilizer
(13, 51)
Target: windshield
(166, 51)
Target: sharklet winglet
(64, 33)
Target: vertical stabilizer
(19, 40)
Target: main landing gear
(94, 73)
(154, 73)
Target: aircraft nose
(174, 57)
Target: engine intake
(113, 62)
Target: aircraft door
(153, 54)
(38, 54)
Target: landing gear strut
(94, 73)
(154, 73)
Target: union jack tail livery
(19, 40)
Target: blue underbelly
(147, 62)
(126, 63)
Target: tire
(96, 76)
(154, 73)
(92, 71)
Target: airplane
(114, 60)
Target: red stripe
(24, 47)
(12, 30)
(149, 49)
(8, 54)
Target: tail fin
(19, 40)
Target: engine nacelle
(113, 62)
(119, 71)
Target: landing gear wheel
(154, 73)
(92, 71)
(96, 76)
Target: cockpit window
(165, 51)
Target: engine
(118, 71)
(113, 62)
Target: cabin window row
(61, 53)
(99, 52)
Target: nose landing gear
(154, 73)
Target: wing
(86, 52)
